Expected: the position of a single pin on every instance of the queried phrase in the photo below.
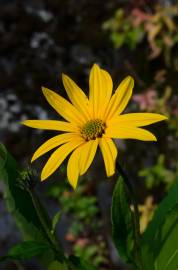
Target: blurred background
(40, 39)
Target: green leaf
(122, 222)
(26, 250)
(73, 263)
(58, 266)
(19, 201)
(20, 204)
(55, 220)
(159, 242)
(165, 243)
(76, 263)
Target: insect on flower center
(93, 129)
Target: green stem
(51, 238)
(135, 215)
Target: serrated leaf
(122, 222)
(26, 250)
(157, 238)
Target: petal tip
(153, 138)
(25, 122)
(109, 174)
(74, 187)
(161, 117)
(33, 158)
(164, 117)
(73, 183)
(43, 177)
(65, 80)
(96, 66)
(45, 90)
(130, 79)
(64, 76)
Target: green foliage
(55, 221)
(82, 207)
(166, 255)
(21, 205)
(19, 202)
(76, 263)
(26, 250)
(122, 222)
(72, 263)
(159, 241)
(133, 28)
(58, 266)
(158, 174)
(122, 31)
(91, 252)
(83, 211)
(32, 220)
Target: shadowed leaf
(122, 222)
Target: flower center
(93, 129)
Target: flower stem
(135, 215)
(51, 238)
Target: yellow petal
(73, 167)
(88, 151)
(112, 147)
(100, 85)
(76, 95)
(109, 153)
(136, 119)
(106, 91)
(63, 107)
(51, 125)
(52, 143)
(95, 88)
(124, 132)
(58, 157)
(120, 98)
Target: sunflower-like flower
(90, 122)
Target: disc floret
(93, 129)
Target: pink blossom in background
(147, 100)
(139, 17)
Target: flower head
(90, 122)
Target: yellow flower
(90, 122)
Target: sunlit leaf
(122, 222)
(58, 266)
(159, 242)
(55, 220)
